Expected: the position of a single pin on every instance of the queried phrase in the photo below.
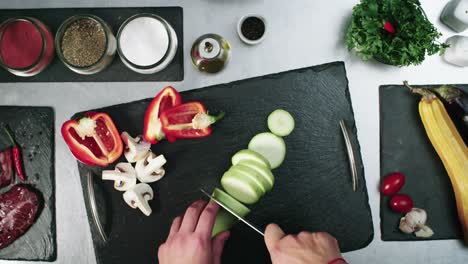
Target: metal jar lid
(210, 53)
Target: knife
(350, 151)
(93, 206)
(233, 213)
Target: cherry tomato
(393, 183)
(401, 203)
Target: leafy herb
(414, 36)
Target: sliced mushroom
(124, 176)
(136, 148)
(150, 169)
(138, 197)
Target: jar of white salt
(455, 15)
(146, 43)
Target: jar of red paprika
(26, 46)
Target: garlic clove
(405, 227)
(416, 217)
(139, 197)
(424, 232)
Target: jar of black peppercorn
(85, 44)
(252, 29)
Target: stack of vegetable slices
(250, 176)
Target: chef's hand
(304, 248)
(189, 239)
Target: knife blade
(93, 206)
(233, 213)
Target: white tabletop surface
(300, 34)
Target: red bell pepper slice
(165, 99)
(189, 120)
(94, 139)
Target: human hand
(189, 239)
(304, 248)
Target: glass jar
(26, 46)
(146, 43)
(107, 55)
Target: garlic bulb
(415, 222)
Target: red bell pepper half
(94, 139)
(189, 120)
(166, 99)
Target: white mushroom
(136, 148)
(150, 169)
(138, 197)
(124, 176)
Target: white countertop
(300, 33)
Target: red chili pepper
(388, 26)
(165, 99)
(189, 120)
(17, 158)
(94, 139)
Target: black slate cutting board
(34, 131)
(405, 147)
(117, 71)
(313, 188)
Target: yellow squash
(449, 146)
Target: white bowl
(242, 37)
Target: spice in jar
(21, 44)
(26, 46)
(144, 41)
(84, 42)
(253, 28)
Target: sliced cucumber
(224, 219)
(281, 122)
(247, 154)
(269, 146)
(242, 169)
(242, 187)
(262, 170)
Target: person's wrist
(338, 261)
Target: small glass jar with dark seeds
(252, 29)
(85, 44)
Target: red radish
(388, 26)
(401, 203)
(393, 183)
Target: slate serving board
(117, 71)
(313, 188)
(34, 131)
(405, 147)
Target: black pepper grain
(253, 28)
(83, 42)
